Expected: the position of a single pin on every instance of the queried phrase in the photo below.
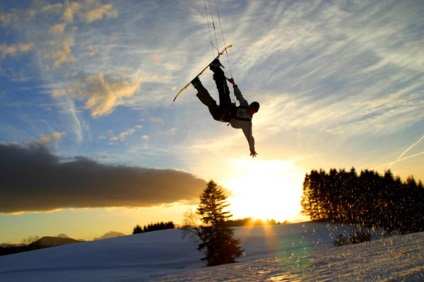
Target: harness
(232, 114)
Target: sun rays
(265, 189)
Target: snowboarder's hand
(253, 153)
(231, 80)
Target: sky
(91, 140)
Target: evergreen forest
(366, 198)
(153, 227)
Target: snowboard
(202, 71)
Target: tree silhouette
(137, 229)
(367, 199)
(154, 227)
(215, 237)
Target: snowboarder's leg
(202, 93)
(221, 84)
(206, 99)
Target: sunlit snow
(293, 252)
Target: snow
(293, 252)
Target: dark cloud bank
(34, 179)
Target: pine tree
(215, 236)
(137, 229)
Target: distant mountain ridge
(50, 241)
(44, 242)
(109, 235)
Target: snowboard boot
(215, 64)
(215, 67)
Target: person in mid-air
(239, 117)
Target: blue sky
(88, 86)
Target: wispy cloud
(99, 12)
(337, 70)
(54, 39)
(334, 71)
(52, 183)
(64, 101)
(15, 49)
(410, 148)
(101, 92)
(54, 137)
(52, 29)
(403, 156)
(121, 136)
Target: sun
(265, 189)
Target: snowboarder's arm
(246, 130)
(238, 94)
(251, 140)
(240, 97)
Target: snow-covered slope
(275, 253)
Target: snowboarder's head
(253, 108)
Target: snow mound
(272, 253)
